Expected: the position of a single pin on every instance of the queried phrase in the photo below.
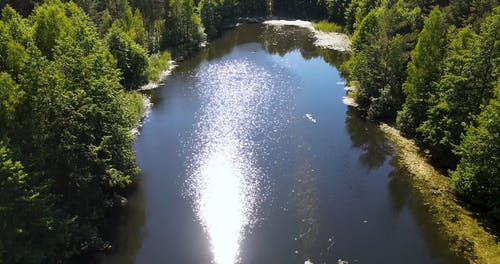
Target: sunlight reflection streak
(223, 176)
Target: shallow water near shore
(249, 155)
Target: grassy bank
(326, 26)
(457, 226)
(157, 64)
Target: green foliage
(131, 23)
(10, 96)
(25, 216)
(445, 85)
(246, 8)
(68, 120)
(424, 70)
(489, 57)
(459, 96)
(381, 44)
(356, 12)
(23, 7)
(106, 22)
(50, 25)
(131, 58)
(65, 120)
(134, 104)
(469, 71)
(469, 12)
(154, 35)
(336, 10)
(157, 63)
(306, 9)
(185, 27)
(368, 33)
(326, 26)
(211, 16)
(477, 177)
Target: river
(250, 156)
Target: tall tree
(459, 95)
(26, 218)
(382, 44)
(131, 58)
(477, 177)
(132, 24)
(50, 24)
(10, 97)
(424, 70)
(184, 25)
(68, 123)
(470, 70)
(366, 64)
(211, 16)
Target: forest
(70, 70)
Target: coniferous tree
(424, 70)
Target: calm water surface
(249, 156)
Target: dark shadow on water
(376, 149)
(274, 40)
(365, 135)
(127, 233)
(399, 190)
(404, 196)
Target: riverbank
(146, 99)
(466, 237)
(326, 40)
(162, 76)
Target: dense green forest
(69, 71)
(432, 69)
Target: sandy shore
(327, 40)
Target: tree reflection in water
(365, 136)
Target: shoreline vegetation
(157, 81)
(69, 79)
(326, 40)
(464, 235)
(457, 226)
(326, 26)
(462, 231)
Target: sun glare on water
(224, 181)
